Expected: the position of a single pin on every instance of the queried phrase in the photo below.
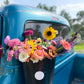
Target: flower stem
(30, 37)
(59, 49)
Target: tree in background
(39, 6)
(66, 15)
(80, 20)
(6, 2)
(78, 23)
(45, 7)
(80, 15)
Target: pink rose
(39, 54)
(66, 44)
(7, 39)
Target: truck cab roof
(34, 12)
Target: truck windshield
(39, 27)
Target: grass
(79, 48)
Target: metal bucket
(39, 73)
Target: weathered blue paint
(28, 13)
(79, 66)
(62, 57)
(70, 69)
(64, 71)
(63, 76)
(0, 27)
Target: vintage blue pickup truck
(14, 20)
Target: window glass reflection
(39, 28)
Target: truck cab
(14, 20)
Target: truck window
(38, 28)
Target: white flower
(56, 31)
(35, 60)
(23, 57)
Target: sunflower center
(49, 33)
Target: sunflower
(49, 33)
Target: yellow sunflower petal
(49, 33)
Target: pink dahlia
(26, 40)
(39, 54)
(14, 42)
(28, 32)
(7, 39)
(66, 44)
(16, 53)
(23, 50)
(10, 54)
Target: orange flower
(46, 54)
(52, 47)
(39, 47)
(31, 55)
(52, 53)
(39, 54)
(66, 44)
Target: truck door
(0, 30)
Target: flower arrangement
(38, 49)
